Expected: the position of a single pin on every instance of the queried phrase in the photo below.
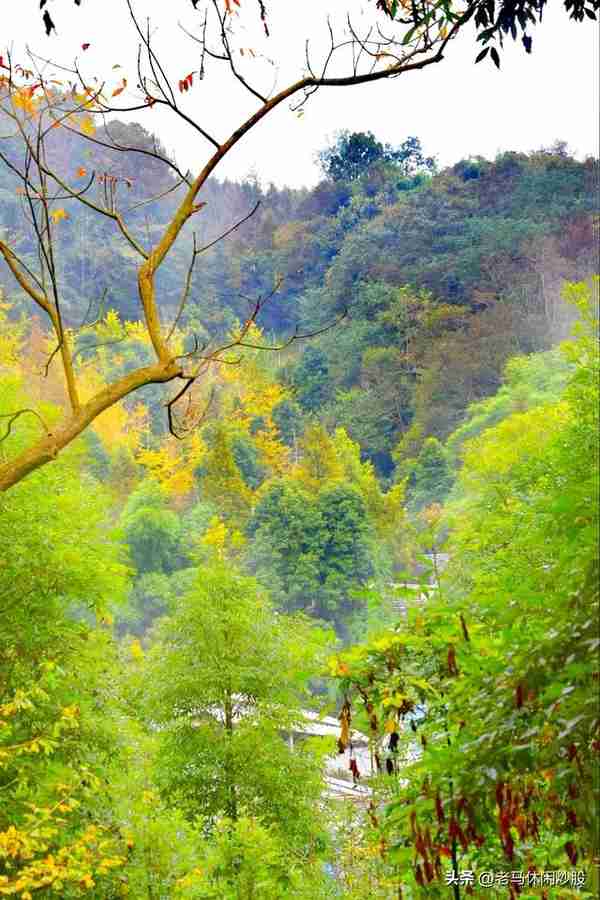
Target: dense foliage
(497, 673)
(167, 605)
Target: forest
(299, 579)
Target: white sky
(456, 108)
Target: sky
(456, 108)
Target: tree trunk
(231, 801)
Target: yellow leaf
(58, 214)
(135, 648)
(86, 124)
(23, 100)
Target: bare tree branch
(12, 418)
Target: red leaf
(519, 696)
(439, 809)
(571, 852)
(499, 793)
(420, 843)
(452, 667)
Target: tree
(223, 482)
(353, 154)
(310, 379)
(35, 106)
(151, 529)
(430, 475)
(249, 861)
(312, 543)
(226, 678)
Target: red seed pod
(452, 667)
(571, 852)
(439, 809)
(500, 794)
(429, 872)
(509, 846)
(413, 821)
(519, 696)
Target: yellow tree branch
(68, 429)
(40, 299)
